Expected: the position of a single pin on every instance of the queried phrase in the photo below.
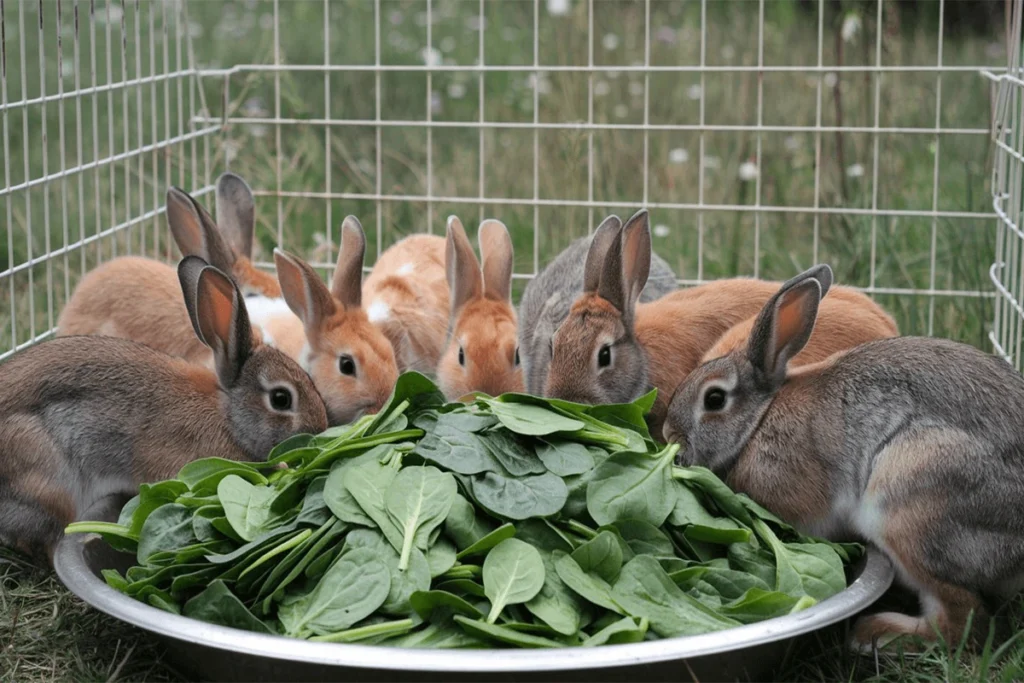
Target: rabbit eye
(517, 356)
(604, 356)
(280, 399)
(714, 399)
(462, 357)
(347, 365)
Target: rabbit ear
(496, 253)
(461, 267)
(347, 285)
(784, 325)
(195, 232)
(223, 323)
(236, 213)
(636, 258)
(189, 270)
(303, 291)
(605, 237)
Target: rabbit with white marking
(915, 445)
(85, 420)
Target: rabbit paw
(880, 630)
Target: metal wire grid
(1007, 272)
(185, 107)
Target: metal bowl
(220, 653)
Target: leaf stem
(353, 635)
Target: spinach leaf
(435, 636)
(633, 486)
(368, 633)
(758, 604)
(491, 631)
(418, 500)
(352, 589)
(202, 476)
(218, 605)
(454, 448)
(644, 539)
(556, 605)
(540, 495)
(715, 489)
(441, 557)
(531, 420)
(412, 391)
(625, 630)
(590, 587)
(804, 568)
(426, 602)
(168, 527)
(463, 525)
(645, 590)
(368, 483)
(246, 507)
(416, 577)
(601, 556)
(314, 511)
(489, 541)
(565, 458)
(513, 573)
(515, 458)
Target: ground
(46, 634)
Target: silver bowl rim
(73, 570)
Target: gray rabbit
(915, 445)
(85, 420)
(547, 298)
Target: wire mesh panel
(763, 136)
(1007, 179)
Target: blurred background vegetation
(48, 51)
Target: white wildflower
(694, 91)
(712, 162)
(621, 111)
(831, 78)
(666, 34)
(67, 69)
(678, 156)
(748, 171)
(456, 91)
(851, 26)
(110, 16)
(435, 102)
(855, 171)
(541, 82)
(431, 56)
(602, 88)
(558, 8)
(636, 89)
(258, 130)
(793, 143)
(610, 41)
(447, 44)
(613, 75)
(661, 230)
(728, 52)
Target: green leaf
(463, 525)
(556, 605)
(645, 590)
(218, 605)
(644, 539)
(426, 602)
(531, 420)
(491, 631)
(368, 483)
(418, 500)
(153, 496)
(625, 630)
(589, 586)
(758, 604)
(633, 486)
(365, 633)
(715, 489)
(412, 391)
(541, 495)
(202, 476)
(169, 527)
(513, 573)
(565, 458)
(274, 587)
(435, 636)
(416, 577)
(441, 557)
(247, 507)
(489, 541)
(601, 556)
(117, 536)
(355, 586)
(515, 458)
(454, 445)
(804, 568)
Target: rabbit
(407, 291)
(140, 299)
(482, 353)
(86, 419)
(610, 349)
(548, 296)
(915, 445)
(846, 318)
(329, 333)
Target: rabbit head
(717, 408)
(482, 353)
(227, 243)
(268, 396)
(350, 360)
(595, 356)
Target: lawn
(576, 176)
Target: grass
(47, 634)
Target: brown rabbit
(483, 352)
(915, 445)
(612, 349)
(84, 419)
(350, 360)
(140, 299)
(407, 298)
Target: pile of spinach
(510, 521)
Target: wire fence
(104, 105)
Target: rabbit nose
(672, 436)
